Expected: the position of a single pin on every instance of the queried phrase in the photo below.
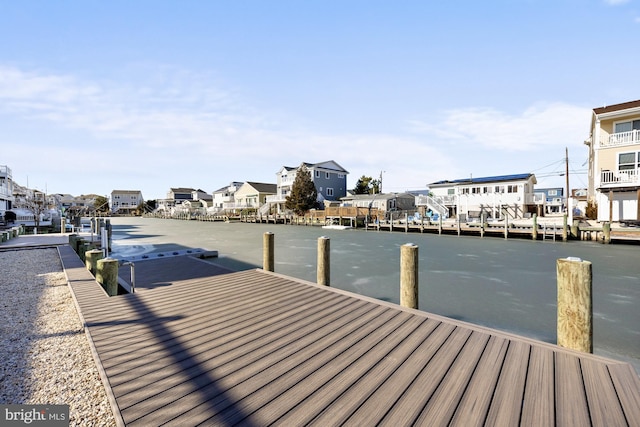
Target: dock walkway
(198, 344)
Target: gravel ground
(44, 353)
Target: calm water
(504, 284)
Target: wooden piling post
(324, 265)
(606, 232)
(83, 248)
(575, 230)
(575, 311)
(482, 220)
(409, 275)
(440, 224)
(534, 230)
(91, 260)
(506, 227)
(107, 275)
(268, 259)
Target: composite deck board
(197, 344)
(473, 407)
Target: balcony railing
(620, 138)
(619, 178)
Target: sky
(150, 95)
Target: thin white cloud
(179, 129)
(536, 128)
(616, 2)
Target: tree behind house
(101, 204)
(303, 193)
(367, 185)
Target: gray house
(329, 178)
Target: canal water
(508, 285)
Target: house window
(341, 175)
(329, 191)
(327, 175)
(464, 191)
(553, 192)
(317, 174)
(627, 126)
(475, 190)
(628, 161)
(512, 188)
(498, 189)
(451, 191)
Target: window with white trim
(327, 175)
(626, 126)
(329, 191)
(629, 161)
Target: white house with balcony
(223, 198)
(614, 161)
(6, 189)
(495, 197)
(125, 201)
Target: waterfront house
(6, 189)
(224, 196)
(329, 178)
(125, 202)
(553, 199)
(614, 162)
(385, 203)
(252, 195)
(494, 196)
(175, 196)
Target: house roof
(617, 107)
(126, 191)
(263, 187)
(499, 178)
(378, 196)
(226, 187)
(329, 165)
(182, 190)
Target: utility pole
(566, 176)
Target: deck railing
(614, 178)
(620, 138)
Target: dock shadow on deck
(256, 348)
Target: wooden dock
(197, 344)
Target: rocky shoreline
(46, 358)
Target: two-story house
(329, 178)
(493, 196)
(223, 198)
(125, 201)
(6, 189)
(614, 161)
(253, 195)
(554, 201)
